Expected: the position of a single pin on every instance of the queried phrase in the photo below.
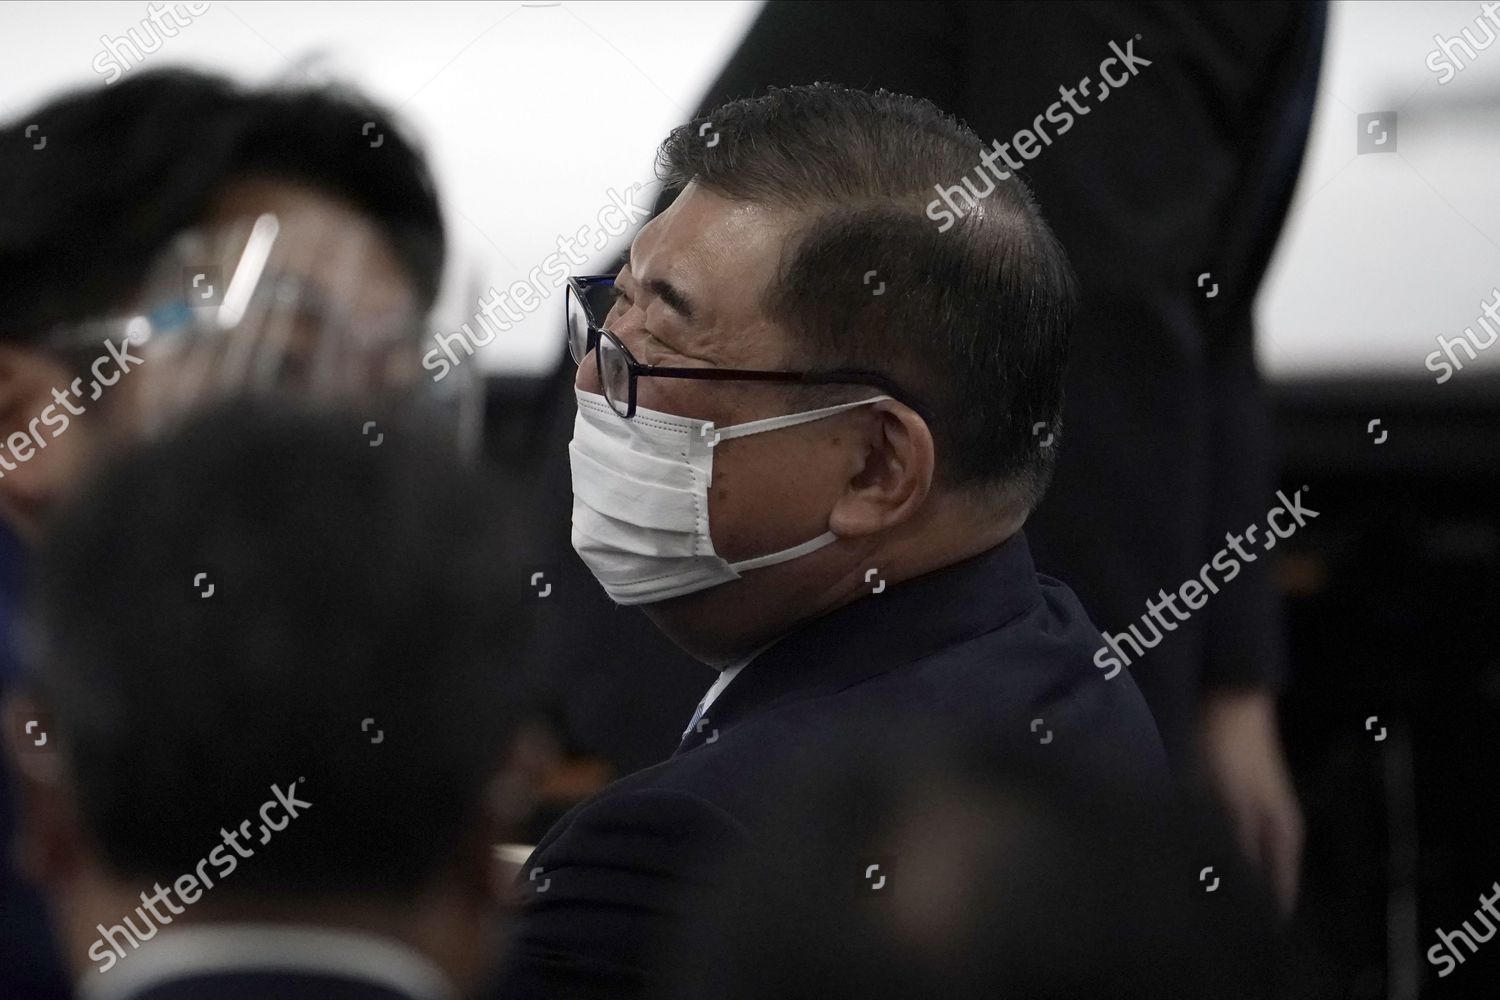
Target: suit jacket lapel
(883, 630)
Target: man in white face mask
(810, 427)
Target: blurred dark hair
(350, 582)
(973, 319)
(993, 880)
(126, 167)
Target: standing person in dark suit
(804, 448)
(1166, 175)
(276, 681)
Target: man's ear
(42, 448)
(893, 477)
(49, 843)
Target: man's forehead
(716, 251)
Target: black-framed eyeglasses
(619, 370)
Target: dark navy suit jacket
(984, 646)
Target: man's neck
(951, 534)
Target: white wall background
(1384, 252)
(533, 112)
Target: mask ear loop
(717, 434)
(786, 555)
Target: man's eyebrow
(666, 291)
(672, 296)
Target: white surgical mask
(640, 499)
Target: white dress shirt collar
(291, 949)
(726, 675)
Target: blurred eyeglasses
(262, 307)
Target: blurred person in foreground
(816, 485)
(277, 699)
(178, 239)
(899, 872)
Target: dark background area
(1391, 605)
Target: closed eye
(620, 298)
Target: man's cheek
(752, 488)
(725, 474)
(733, 517)
(667, 396)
